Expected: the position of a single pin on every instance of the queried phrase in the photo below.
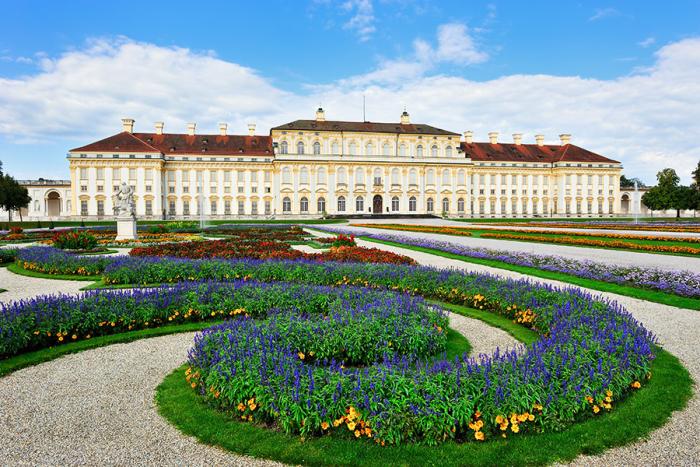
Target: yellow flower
(499, 419)
(515, 428)
(301, 355)
(596, 409)
(530, 417)
(357, 433)
(636, 385)
(479, 435)
(351, 426)
(324, 425)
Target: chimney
(405, 120)
(565, 139)
(159, 128)
(540, 140)
(320, 115)
(493, 137)
(469, 136)
(128, 125)
(190, 128)
(251, 129)
(518, 138)
(222, 129)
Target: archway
(53, 204)
(625, 204)
(377, 204)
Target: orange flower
(324, 425)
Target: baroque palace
(323, 167)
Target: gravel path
(615, 257)
(22, 287)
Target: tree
(695, 173)
(13, 196)
(668, 194)
(629, 182)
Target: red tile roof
(174, 143)
(548, 153)
(370, 127)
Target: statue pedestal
(126, 228)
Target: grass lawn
(668, 390)
(635, 292)
(17, 269)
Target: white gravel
(615, 257)
(22, 287)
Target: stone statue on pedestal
(126, 214)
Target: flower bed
(606, 225)
(74, 240)
(589, 356)
(340, 240)
(49, 260)
(684, 283)
(7, 255)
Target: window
(448, 151)
(300, 147)
(241, 207)
(254, 207)
(460, 205)
(446, 177)
(185, 189)
(317, 148)
(83, 174)
(267, 175)
(412, 204)
(286, 175)
(284, 147)
(430, 177)
(171, 207)
(434, 151)
(149, 188)
(359, 176)
(186, 208)
(304, 204)
(334, 148)
(240, 176)
(461, 177)
(83, 208)
(100, 208)
(321, 176)
(132, 174)
(419, 150)
(341, 203)
(430, 204)
(213, 207)
(359, 204)
(227, 176)
(369, 149)
(352, 149)
(413, 177)
(445, 205)
(403, 150)
(268, 207)
(149, 207)
(395, 203)
(394, 176)
(321, 205)
(386, 149)
(286, 204)
(100, 174)
(254, 176)
(84, 188)
(341, 175)
(304, 176)
(377, 177)
(227, 207)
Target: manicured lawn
(15, 268)
(635, 292)
(667, 391)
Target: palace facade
(323, 167)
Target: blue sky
(618, 75)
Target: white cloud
(362, 21)
(648, 42)
(602, 13)
(648, 120)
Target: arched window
(286, 175)
(412, 204)
(317, 148)
(369, 149)
(386, 149)
(434, 151)
(394, 176)
(300, 147)
(419, 150)
(430, 177)
(352, 149)
(460, 205)
(403, 150)
(359, 176)
(395, 203)
(341, 203)
(342, 177)
(321, 176)
(460, 177)
(286, 204)
(413, 177)
(334, 148)
(284, 147)
(321, 205)
(359, 204)
(445, 205)
(446, 177)
(304, 176)
(377, 177)
(448, 151)
(304, 204)
(431, 205)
